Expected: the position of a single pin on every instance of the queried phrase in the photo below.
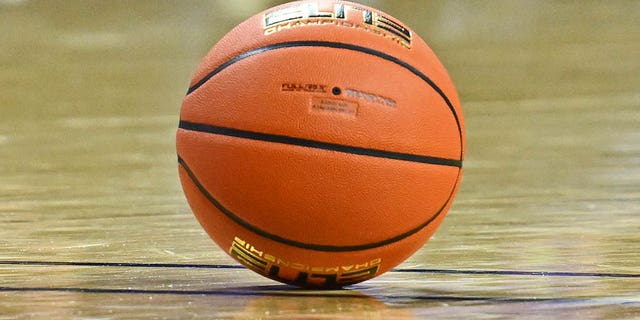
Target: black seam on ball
(310, 246)
(336, 45)
(259, 136)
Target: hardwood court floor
(95, 226)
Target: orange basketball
(320, 143)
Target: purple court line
(298, 294)
(408, 270)
(121, 264)
(521, 273)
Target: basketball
(320, 143)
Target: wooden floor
(95, 225)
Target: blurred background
(90, 93)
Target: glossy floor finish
(95, 225)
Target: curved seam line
(251, 135)
(315, 247)
(337, 45)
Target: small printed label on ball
(293, 272)
(304, 87)
(370, 97)
(335, 106)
